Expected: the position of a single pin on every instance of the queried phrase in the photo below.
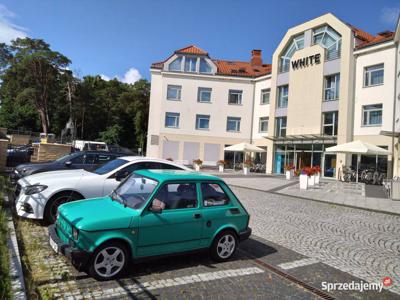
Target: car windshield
(134, 191)
(64, 158)
(108, 167)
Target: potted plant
(221, 164)
(304, 178)
(289, 171)
(197, 164)
(311, 176)
(317, 174)
(246, 166)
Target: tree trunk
(43, 120)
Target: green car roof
(168, 175)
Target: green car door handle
(197, 216)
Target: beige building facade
(329, 83)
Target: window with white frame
(174, 92)
(265, 93)
(328, 38)
(372, 115)
(203, 122)
(190, 64)
(373, 75)
(205, 66)
(235, 97)
(172, 119)
(233, 124)
(331, 89)
(176, 65)
(283, 96)
(297, 43)
(204, 95)
(280, 128)
(263, 124)
(330, 123)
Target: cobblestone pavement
(181, 277)
(362, 243)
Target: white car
(38, 196)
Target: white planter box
(289, 174)
(197, 167)
(311, 180)
(245, 170)
(317, 177)
(221, 168)
(303, 181)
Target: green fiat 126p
(151, 213)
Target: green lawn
(5, 283)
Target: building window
(174, 92)
(329, 39)
(204, 66)
(176, 65)
(280, 127)
(190, 64)
(297, 43)
(172, 119)
(372, 115)
(204, 95)
(330, 123)
(233, 124)
(265, 96)
(263, 124)
(283, 96)
(373, 75)
(203, 122)
(235, 97)
(331, 90)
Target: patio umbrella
(359, 148)
(243, 147)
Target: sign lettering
(306, 61)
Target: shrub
(5, 282)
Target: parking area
(296, 246)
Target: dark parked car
(18, 155)
(77, 160)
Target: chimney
(256, 59)
(386, 33)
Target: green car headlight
(34, 189)
(75, 233)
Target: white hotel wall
(374, 94)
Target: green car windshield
(134, 191)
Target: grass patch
(5, 280)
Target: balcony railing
(332, 54)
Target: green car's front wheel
(109, 261)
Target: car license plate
(53, 245)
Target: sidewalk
(335, 192)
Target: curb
(316, 200)
(16, 273)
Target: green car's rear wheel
(109, 261)
(224, 245)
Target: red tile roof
(224, 67)
(192, 50)
(361, 34)
(380, 38)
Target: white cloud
(131, 76)
(105, 77)
(8, 30)
(389, 15)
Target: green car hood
(97, 214)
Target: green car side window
(177, 195)
(213, 195)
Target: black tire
(219, 252)
(108, 263)
(50, 211)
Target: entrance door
(303, 159)
(329, 165)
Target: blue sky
(112, 37)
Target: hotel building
(329, 83)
